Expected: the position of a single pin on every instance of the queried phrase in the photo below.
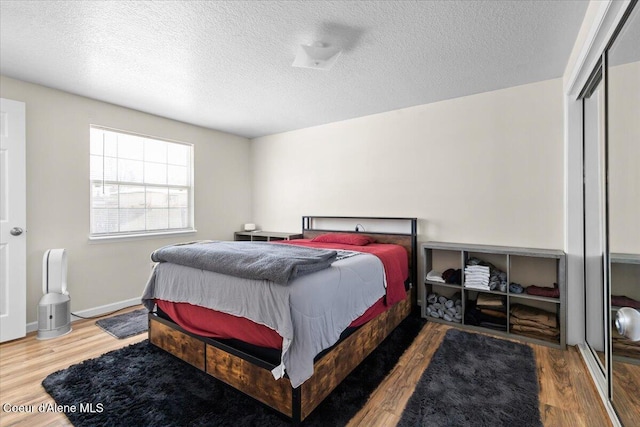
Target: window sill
(142, 236)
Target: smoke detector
(317, 56)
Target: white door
(13, 216)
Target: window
(139, 185)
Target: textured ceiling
(227, 64)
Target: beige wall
(104, 273)
(486, 169)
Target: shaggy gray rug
(127, 324)
(476, 380)
(141, 385)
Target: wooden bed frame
(252, 375)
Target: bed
(267, 361)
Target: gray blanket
(248, 260)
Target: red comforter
(210, 323)
(393, 257)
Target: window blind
(139, 184)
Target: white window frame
(143, 232)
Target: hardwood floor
(567, 395)
(26, 362)
(626, 391)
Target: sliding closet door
(623, 189)
(596, 294)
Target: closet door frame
(602, 22)
(597, 81)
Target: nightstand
(264, 236)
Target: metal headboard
(408, 239)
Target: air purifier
(54, 308)
(628, 323)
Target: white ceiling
(227, 64)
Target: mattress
(210, 323)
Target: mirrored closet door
(611, 196)
(623, 205)
(594, 134)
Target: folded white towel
(476, 282)
(435, 276)
(477, 268)
(477, 286)
(480, 275)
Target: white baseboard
(96, 311)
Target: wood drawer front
(179, 344)
(250, 379)
(335, 366)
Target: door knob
(16, 231)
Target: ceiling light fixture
(317, 56)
